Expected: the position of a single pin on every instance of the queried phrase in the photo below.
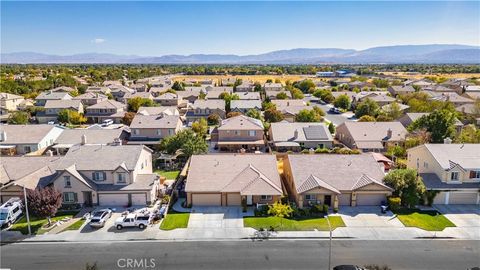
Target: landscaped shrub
(430, 196)
(394, 203)
(316, 209)
(322, 151)
(335, 210)
(325, 209)
(305, 151)
(165, 199)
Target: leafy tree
(257, 87)
(268, 106)
(233, 114)
(137, 102)
(128, 117)
(213, 119)
(44, 202)
(307, 116)
(331, 128)
(18, 118)
(305, 86)
(71, 117)
(200, 127)
(469, 134)
(396, 151)
(255, 114)
(202, 95)
(342, 101)
(318, 111)
(272, 115)
(380, 83)
(393, 111)
(280, 210)
(82, 89)
(178, 86)
(228, 99)
(296, 93)
(440, 124)
(282, 95)
(324, 95)
(367, 118)
(187, 141)
(407, 185)
(367, 107)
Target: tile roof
(241, 122)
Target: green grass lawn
(426, 220)
(283, 224)
(75, 226)
(175, 220)
(168, 174)
(37, 223)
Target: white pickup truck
(132, 220)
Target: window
(159, 132)
(27, 149)
(266, 197)
(454, 176)
(66, 180)
(170, 132)
(121, 178)
(69, 197)
(310, 197)
(475, 174)
(99, 176)
(425, 164)
(237, 132)
(252, 133)
(136, 131)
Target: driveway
(216, 217)
(466, 215)
(368, 216)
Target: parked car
(348, 267)
(133, 220)
(10, 212)
(99, 218)
(335, 110)
(107, 122)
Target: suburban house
(244, 106)
(380, 97)
(245, 87)
(27, 139)
(42, 98)
(128, 96)
(409, 118)
(168, 99)
(53, 107)
(157, 91)
(88, 136)
(139, 87)
(371, 136)
(451, 170)
(290, 108)
(91, 98)
(248, 95)
(233, 180)
(10, 102)
(285, 136)
(108, 109)
(396, 90)
(335, 180)
(119, 91)
(452, 97)
(273, 87)
(215, 92)
(166, 110)
(228, 81)
(98, 89)
(191, 93)
(239, 132)
(64, 89)
(203, 108)
(150, 129)
(274, 94)
(123, 178)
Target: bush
(325, 209)
(305, 151)
(394, 203)
(166, 199)
(316, 209)
(322, 151)
(335, 210)
(430, 196)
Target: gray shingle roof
(285, 131)
(63, 104)
(25, 134)
(376, 131)
(209, 104)
(465, 155)
(155, 121)
(432, 181)
(94, 136)
(246, 104)
(52, 95)
(107, 104)
(241, 122)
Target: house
(409, 118)
(380, 97)
(108, 109)
(396, 90)
(128, 96)
(27, 139)
(150, 129)
(284, 136)
(91, 98)
(335, 180)
(53, 107)
(139, 87)
(274, 94)
(451, 170)
(228, 81)
(248, 95)
(123, 178)
(166, 110)
(452, 97)
(233, 180)
(98, 89)
(290, 108)
(64, 89)
(245, 87)
(157, 91)
(401, 107)
(42, 98)
(371, 136)
(119, 91)
(215, 92)
(204, 108)
(168, 99)
(273, 87)
(244, 106)
(239, 132)
(191, 93)
(10, 102)
(88, 136)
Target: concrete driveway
(462, 215)
(216, 217)
(368, 216)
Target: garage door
(370, 199)
(462, 198)
(344, 199)
(440, 198)
(113, 199)
(234, 199)
(139, 199)
(206, 199)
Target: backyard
(284, 224)
(168, 174)
(426, 220)
(175, 220)
(36, 224)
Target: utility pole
(330, 248)
(26, 209)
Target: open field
(408, 75)
(255, 78)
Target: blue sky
(159, 28)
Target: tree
(128, 117)
(324, 95)
(407, 185)
(178, 86)
(366, 118)
(393, 111)
(318, 111)
(44, 202)
(202, 95)
(282, 95)
(280, 210)
(440, 124)
(228, 99)
(469, 134)
(187, 141)
(18, 118)
(305, 86)
(296, 93)
(307, 116)
(200, 127)
(137, 102)
(331, 128)
(213, 119)
(254, 114)
(342, 101)
(366, 107)
(272, 115)
(71, 117)
(383, 118)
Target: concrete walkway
(64, 225)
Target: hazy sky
(159, 28)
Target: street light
(330, 248)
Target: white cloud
(98, 40)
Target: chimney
(389, 133)
(295, 134)
(84, 139)
(3, 136)
(447, 140)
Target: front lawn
(175, 220)
(37, 223)
(426, 220)
(75, 226)
(168, 174)
(284, 224)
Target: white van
(10, 212)
(107, 122)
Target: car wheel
(141, 226)
(9, 224)
(119, 227)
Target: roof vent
(447, 140)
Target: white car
(107, 122)
(99, 218)
(133, 220)
(10, 212)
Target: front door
(249, 199)
(328, 200)
(87, 198)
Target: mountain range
(430, 54)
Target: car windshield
(95, 220)
(3, 216)
(98, 214)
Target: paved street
(336, 119)
(417, 254)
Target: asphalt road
(336, 119)
(273, 254)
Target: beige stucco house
(284, 136)
(239, 132)
(53, 107)
(27, 139)
(108, 109)
(150, 129)
(42, 98)
(10, 102)
(203, 108)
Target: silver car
(99, 218)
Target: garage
(206, 199)
(234, 199)
(462, 198)
(370, 199)
(440, 198)
(113, 199)
(139, 199)
(344, 199)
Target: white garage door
(139, 199)
(234, 199)
(440, 198)
(462, 198)
(344, 199)
(113, 199)
(370, 199)
(206, 199)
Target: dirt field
(406, 75)
(255, 78)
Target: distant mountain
(435, 53)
